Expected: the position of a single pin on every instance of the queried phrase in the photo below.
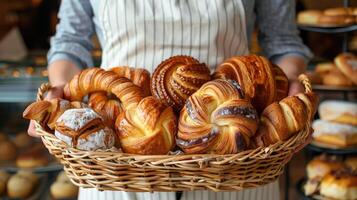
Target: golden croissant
(217, 119)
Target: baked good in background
(314, 77)
(261, 81)
(23, 140)
(84, 129)
(325, 68)
(7, 150)
(22, 184)
(36, 156)
(63, 188)
(336, 78)
(347, 64)
(334, 134)
(217, 119)
(322, 165)
(329, 17)
(107, 104)
(99, 80)
(344, 112)
(3, 137)
(150, 128)
(340, 185)
(280, 120)
(351, 162)
(176, 78)
(4, 177)
(47, 112)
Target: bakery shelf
(334, 88)
(16, 90)
(319, 149)
(332, 30)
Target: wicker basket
(138, 173)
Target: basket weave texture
(108, 170)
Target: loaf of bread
(84, 129)
(347, 64)
(7, 151)
(344, 112)
(22, 185)
(63, 188)
(339, 185)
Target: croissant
(47, 112)
(257, 76)
(98, 80)
(150, 128)
(217, 119)
(176, 78)
(280, 120)
(108, 106)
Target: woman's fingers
(31, 129)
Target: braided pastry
(176, 78)
(95, 80)
(108, 106)
(280, 120)
(47, 112)
(150, 128)
(256, 75)
(217, 119)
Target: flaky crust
(256, 76)
(149, 129)
(176, 78)
(347, 64)
(217, 119)
(340, 185)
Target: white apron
(142, 33)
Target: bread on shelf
(347, 64)
(22, 185)
(344, 112)
(339, 185)
(63, 188)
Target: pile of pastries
(18, 186)
(332, 178)
(337, 126)
(22, 150)
(182, 106)
(341, 72)
(328, 18)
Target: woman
(142, 33)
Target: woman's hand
(54, 92)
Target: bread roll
(340, 11)
(4, 177)
(339, 111)
(325, 68)
(63, 188)
(314, 77)
(347, 64)
(33, 157)
(351, 162)
(339, 185)
(309, 17)
(7, 151)
(331, 133)
(322, 165)
(21, 185)
(336, 78)
(84, 129)
(23, 140)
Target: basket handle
(42, 91)
(305, 81)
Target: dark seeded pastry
(217, 119)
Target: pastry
(139, 76)
(280, 120)
(281, 82)
(150, 128)
(177, 78)
(4, 177)
(47, 112)
(110, 107)
(322, 165)
(341, 11)
(63, 188)
(347, 64)
(339, 135)
(351, 162)
(217, 119)
(256, 76)
(98, 80)
(22, 140)
(314, 77)
(309, 17)
(336, 78)
(33, 157)
(339, 111)
(325, 68)
(7, 151)
(339, 185)
(84, 129)
(22, 185)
